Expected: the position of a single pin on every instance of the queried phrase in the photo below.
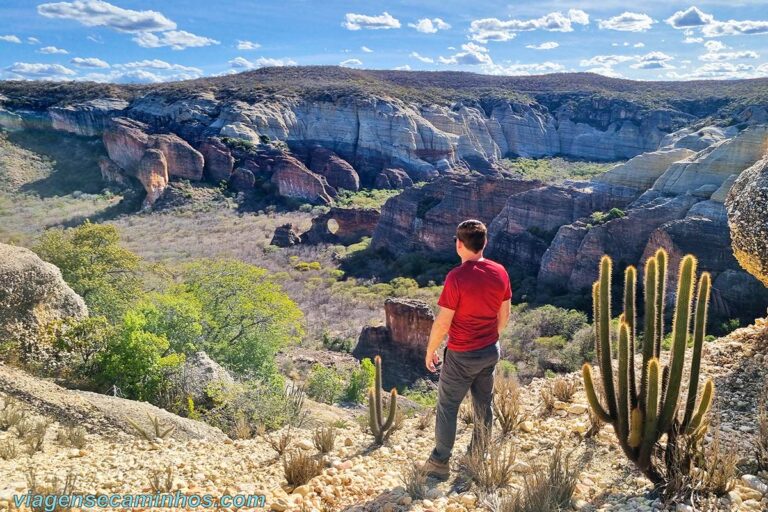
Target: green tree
(84, 338)
(137, 361)
(359, 381)
(95, 266)
(246, 316)
(175, 315)
(324, 384)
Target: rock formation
(392, 179)
(219, 162)
(32, 294)
(425, 219)
(337, 172)
(285, 236)
(403, 338)
(88, 118)
(747, 205)
(342, 225)
(199, 372)
(293, 179)
(152, 172)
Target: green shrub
(324, 384)
(359, 381)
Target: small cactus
(380, 428)
(641, 418)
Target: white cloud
(714, 45)
(430, 26)
(417, 56)
(693, 40)
(734, 27)
(360, 21)
(365, 49)
(89, 62)
(10, 39)
(96, 39)
(261, 62)
(34, 71)
(52, 50)
(494, 29)
(538, 68)
(350, 63)
(137, 76)
(97, 13)
(33, 40)
(549, 45)
(606, 71)
(601, 61)
(158, 64)
(628, 22)
(247, 45)
(653, 60)
(638, 45)
(176, 39)
(691, 17)
(404, 67)
(471, 54)
(727, 56)
(721, 71)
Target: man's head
(471, 237)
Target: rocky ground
(357, 475)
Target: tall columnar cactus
(380, 428)
(641, 418)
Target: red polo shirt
(475, 291)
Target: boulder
(696, 140)
(32, 294)
(285, 236)
(294, 180)
(643, 170)
(392, 179)
(183, 160)
(242, 179)
(199, 372)
(747, 206)
(425, 218)
(342, 226)
(337, 171)
(219, 161)
(152, 172)
(409, 322)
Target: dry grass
(490, 470)
(507, 407)
(72, 436)
(300, 467)
(426, 419)
(563, 389)
(415, 481)
(158, 431)
(52, 486)
(547, 400)
(719, 467)
(466, 413)
(23, 428)
(161, 480)
(324, 439)
(548, 489)
(280, 442)
(10, 416)
(9, 450)
(242, 428)
(35, 439)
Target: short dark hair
(472, 234)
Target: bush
(506, 404)
(324, 384)
(324, 438)
(95, 266)
(548, 489)
(300, 468)
(360, 380)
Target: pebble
(755, 483)
(527, 426)
(577, 409)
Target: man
(474, 309)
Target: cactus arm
(704, 405)
(392, 410)
(699, 328)
(649, 335)
(589, 388)
(630, 316)
(596, 317)
(680, 328)
(606, 368)
(377, 391)
(375, 430)
(635, 428)
(623, 377)
(661, 290)
(649, 421)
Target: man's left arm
(439, 330)
(504, 314)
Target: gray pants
(461, 372)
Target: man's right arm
(504, 314)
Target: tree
(246, 316)
(95, 266)
(175, 315)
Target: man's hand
(431, 362)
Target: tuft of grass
(547, 400)
(426, 419)
(415, 481)
(72, 436)
(300, 467)
(719, 466)
(324, 439)
(506, 404)
(8, 450)
(36, 437)
(23, 428)
(466, 413)
(157, 431)
(490, 470)
(547, 489)
(52, 486)
(161, 480)
(280, 442)
(563, 389)
(242, 429)
(10, 416)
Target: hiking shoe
(435, 469)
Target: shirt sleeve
(449, 298)
(508, 290)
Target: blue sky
(150, 41)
